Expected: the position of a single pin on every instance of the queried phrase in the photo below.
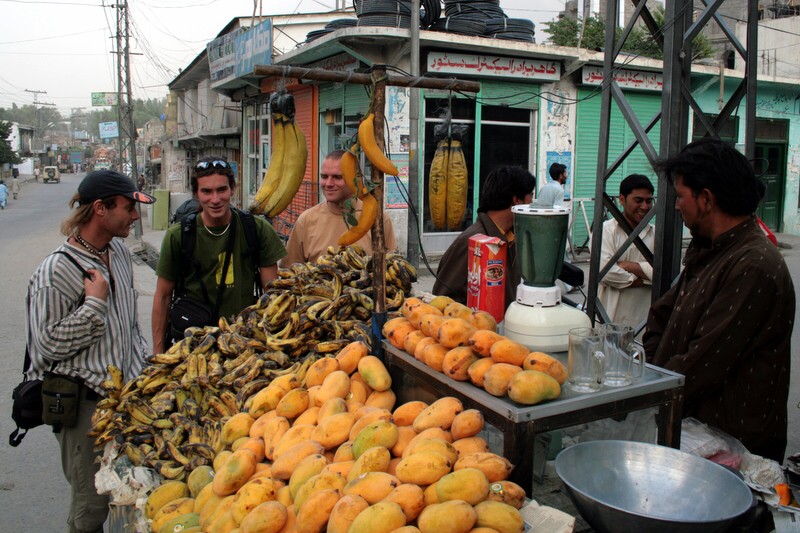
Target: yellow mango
(375, 459)
(165, 493)
(332, 406)
(430, 495)
(483, 320)
(372, 486)
(284, 496)
(530, 387)
(374, 373)
(268, 517)
(410, 498)
(333, 430)
(498, 376)
(172, 510)
(455, 332)
(506, 492)
(252, 494)
(406, 413)
(439, 446)
(287, 381)
(274, 430)
(234, 473)
(467, 424)
(453, 516)
(323, 481)
(423, 468)
(467, 484)
(457, 310)
(344, 453)
(184, 522)
(308, 417)
(285, 463)
(293, 436)
(320, 369)
(433, 355)
(379, 433)
(336, 385)
(213, 508)
(345, 512)
(306, 469)
(293, 404)
(257, 429)
(315, 512)
(441, 302)
(265, 400)
(342, 468)
(500, 516)
(382, 517)
(349, 356)
(206, 497)
(457, 361)
(405, 435)
(236, 427)
(439, 414)
(508, 351)
(381, 399)
(368, 415)
(359, 392)
(470, 445)
(411, 340)
(495, 467)
(482, 341)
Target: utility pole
(36, 107)
(127, 129)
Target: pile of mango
(464, 344)
(331, 453)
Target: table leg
(669, 418)
(518, 443)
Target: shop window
(257, 134)
(337, 134)
(728, 133)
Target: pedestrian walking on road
(15, 187)
(36, 173)
(80, 320)
(3, 194)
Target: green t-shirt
(209, 251)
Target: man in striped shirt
(78, 323)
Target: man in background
(727, 323)
(552, 194)
(625, 290)
(502, 189)
(321, 225)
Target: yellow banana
(294, 168)
(457, 184)
(366, 138)
(369, 212)
(273, 174)
(437, 185)
(116, 377)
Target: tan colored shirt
(321, 226)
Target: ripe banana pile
(171, 417)
(448, 182)
(288, 163)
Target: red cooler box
(486, 273)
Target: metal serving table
(520, 424)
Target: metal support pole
(414, 224)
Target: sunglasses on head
(217, 163)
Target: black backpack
(189, 230)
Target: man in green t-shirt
(213, 183)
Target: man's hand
(635, 269)
(95, 284)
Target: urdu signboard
(108, 130)
(236, 53)
(495, 66)
(103, 99)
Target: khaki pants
(88, 510)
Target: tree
(7, 155)
(565, 32)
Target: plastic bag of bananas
(170, 417)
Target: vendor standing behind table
(213, 184)
(727, 323)
(502, 189)
(626, 288)
(552, 194)
(322, 225)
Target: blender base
(544, 329)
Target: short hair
(717, 166)
(203, 172)
(502, 185)
(635, 181)
(556, 169)
(336, 155)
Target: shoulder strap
(253, 247)
(73, 261)
(188, 233)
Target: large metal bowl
(620, 486)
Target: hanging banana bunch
(457, 184)
(289, 156)
(366, 138)
(437, 184)
(351, 173)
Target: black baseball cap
(102, 184)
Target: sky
(63, 48)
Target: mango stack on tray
(329, 451)
(463, 344)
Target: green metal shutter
(519, 95)
(587, 145)
(353, 98)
